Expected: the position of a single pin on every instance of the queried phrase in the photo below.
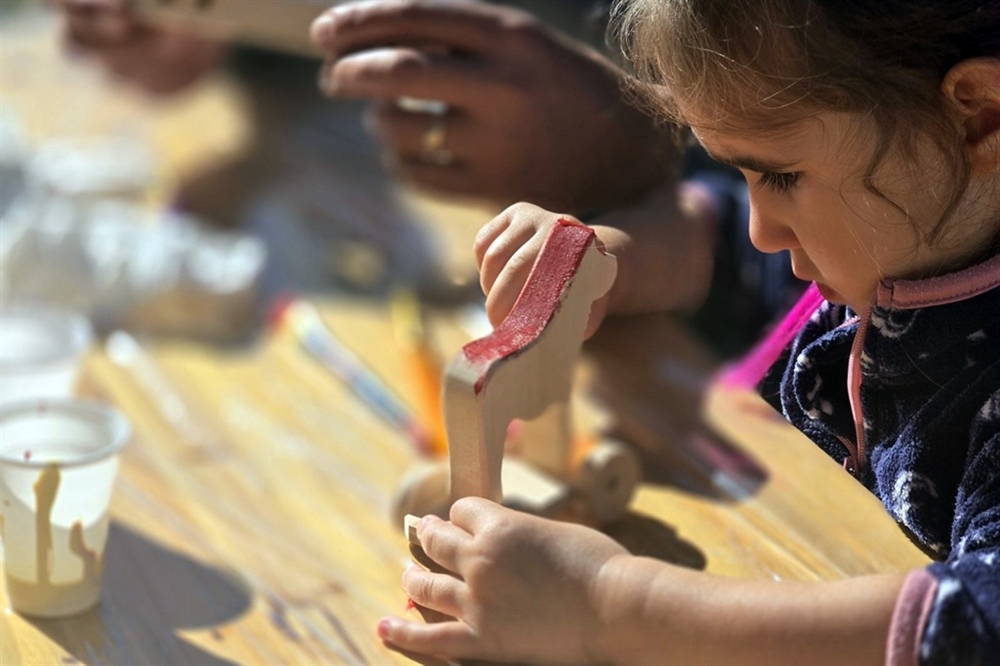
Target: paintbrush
(424, 363)
(302, 320)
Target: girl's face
(807, 196)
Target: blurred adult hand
(532, 115)
(158, 60)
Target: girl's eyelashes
(778, 182)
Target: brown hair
(763, 64)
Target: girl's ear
(973, 87)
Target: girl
(869, 134)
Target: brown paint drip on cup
(91, 560)
(46, 489)
(42, 597)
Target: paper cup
(41, 347)
(58, 461)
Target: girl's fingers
(455, 639)
(507, 256)
(473, 514)
(439, 592)
(505, 289)
(443, 542)
(488, 235)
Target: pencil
(303, 321)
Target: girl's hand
(521, 588)
(506, 249)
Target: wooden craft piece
(606, 480)
(525, 365)
(426, 490)
(282, 25)
(523, 370)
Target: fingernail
(385, 627)
(327, 86)
(403, 577)
(320, 30)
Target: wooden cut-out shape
(410, 529)
(526, 364)
(523, 370)
(425, 490)
(546, 441)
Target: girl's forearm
(688, 617)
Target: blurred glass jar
(91, 169)
(85, 236)
(13, 155)
(41, 351)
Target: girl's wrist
(649, 611)
(616, 602)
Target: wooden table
(250, 518)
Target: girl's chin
(829, 293)
(834, 296)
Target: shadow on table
(699, 462)
(652, 376)
(645, 537)
(149, 595)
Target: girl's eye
(778, 182)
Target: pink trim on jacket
(854, 462)
(909, 617)
(909, 295)
(941, 290)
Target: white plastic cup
(41, 349)
(58, 461)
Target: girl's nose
(767, 232)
